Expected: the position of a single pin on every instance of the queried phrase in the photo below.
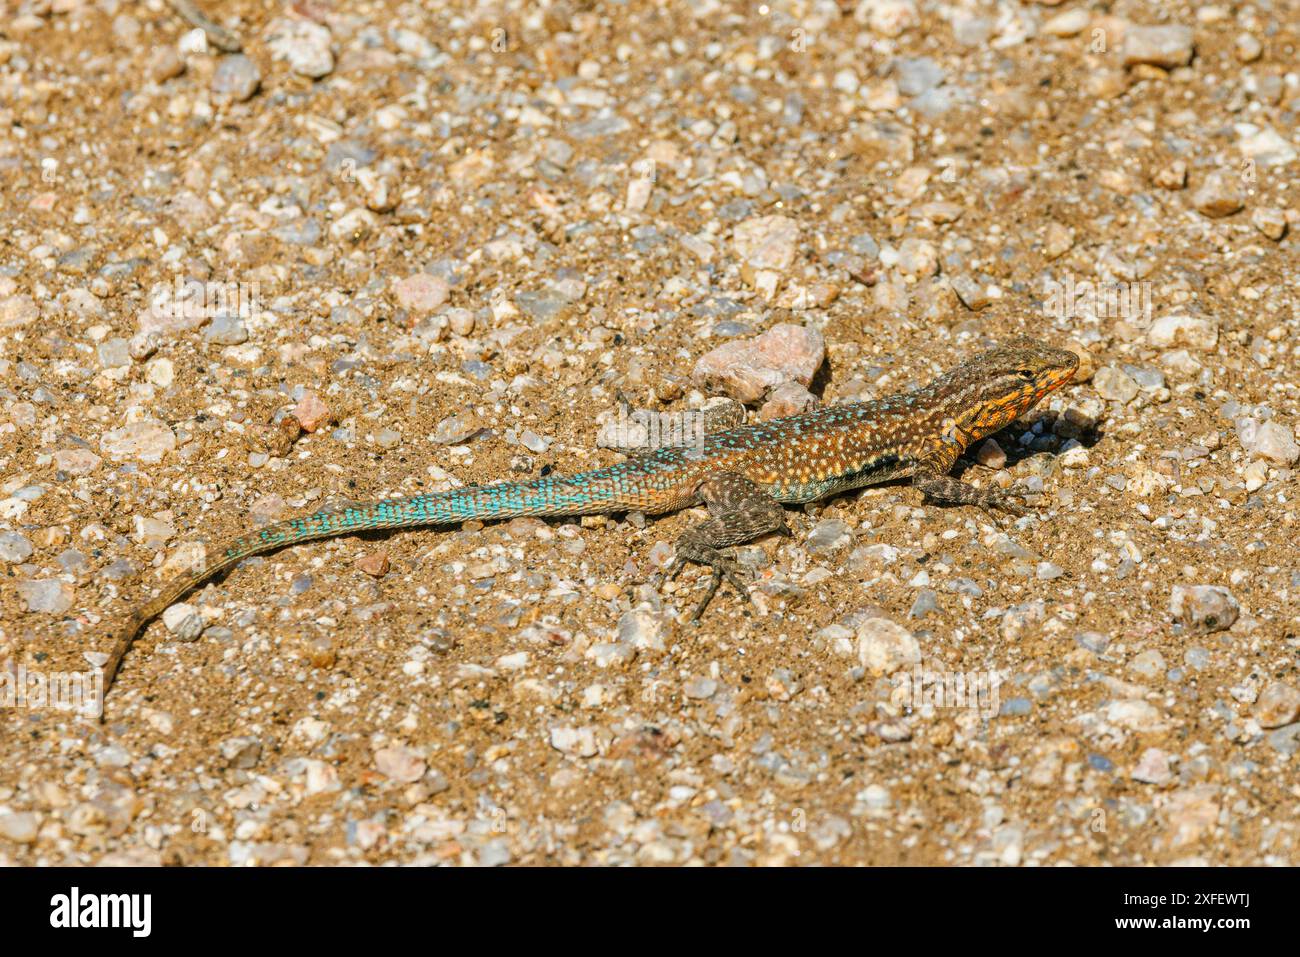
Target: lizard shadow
(1087, 436)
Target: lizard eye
(1025, 374)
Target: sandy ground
(450, 235)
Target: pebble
(972, 293)
(400, 763)
(888, 18)
(311, 412)
(1162, 46)
(1278, 704)
(1270, 221)
(236, 78)
(1153, 768)
(885, 646)
(1195, 332)
(990, 455)
(789, 398)
(183, 621)
(454, 429)
(20, 827)
(304, 44)
(241, 752)
(700, 688)
(1172, 176)
(1269, 440)
(1068, 24)
(827, 536)
(767, 242)
(1114, 385)
(1248, 48)
(1219, 195)
(748, 369)
(1203, 609)
(1140, 716)
(1057, 240)
(421, 293)
(374, 564)
(145, 441)
(576, 742)
(15, 548)
(46, 595)
(641, 628)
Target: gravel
(461, 252)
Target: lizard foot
(690, 548)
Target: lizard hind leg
(739, 511)
(950, 491)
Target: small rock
(1139, 716)
(1195, 332)
(1153, 768)
(400, 763)
(577, 742)
(14, 548)
(918, 257)
(236, 79)
(20, 827)
(888, 18)
(973, 294)
(1203, 609)
(76, 461)
(1269, 440)
(304, 44)
(641, 628)
(885, 646)
(1162, 46)
(1277, 705)
(1265, 146)
(145, 441)
(1270, 221)
(46, 595)
(746, 370)
(789, 398)
(241, 753)
(165, 64)
(1068, 24)
(1172, 177)
(767, 242)
(374, 564)
(1115, 385)
(827, 536)
(700, 688)
(1248, 48)
(990, 455)
(1220, 195)
(311, 412)
(1057, 240)
(183, 621)
(422, 293)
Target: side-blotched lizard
(742, 475)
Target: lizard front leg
(739, 511)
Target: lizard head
(994, 388)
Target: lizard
(743, 475)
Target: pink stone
(311, 412)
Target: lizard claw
(722, 566)
(995, 500)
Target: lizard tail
(585, 494)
